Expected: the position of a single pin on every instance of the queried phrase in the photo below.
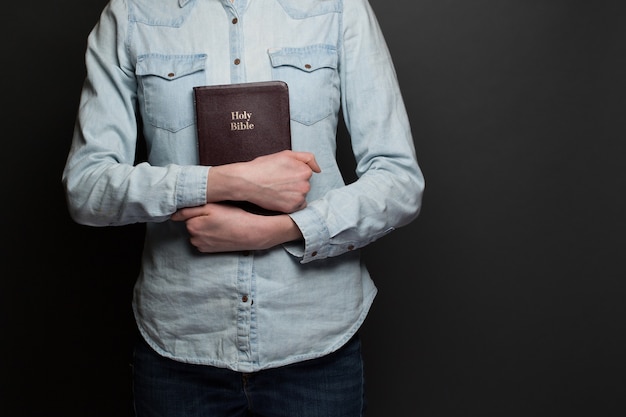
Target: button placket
(236, 45)
(244, 294)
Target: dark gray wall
(505, 297)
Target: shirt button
(314, 253)
(237, 61)
(351, 247)
(235, 21)
(307, 66)
(244, 299)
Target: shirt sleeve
(388, 191)
(103, 184)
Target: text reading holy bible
(239, 122)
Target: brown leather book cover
(238, 122)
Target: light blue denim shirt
(246, 310)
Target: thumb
(309, 159)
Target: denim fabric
(251, 310)
(332, 386)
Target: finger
(309, 159)
(187, 213)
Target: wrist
(281, 229)
(223, 183)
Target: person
(239, 313)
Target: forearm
(224, 228)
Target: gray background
(505, 297)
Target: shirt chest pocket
(311, 74)
(166, 88)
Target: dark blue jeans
(332, 386)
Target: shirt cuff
(315, 236)
(191, 186)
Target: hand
(224, 228)
(278, 181)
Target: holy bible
(239, 122)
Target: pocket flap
(170, 67)
(308, 58)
